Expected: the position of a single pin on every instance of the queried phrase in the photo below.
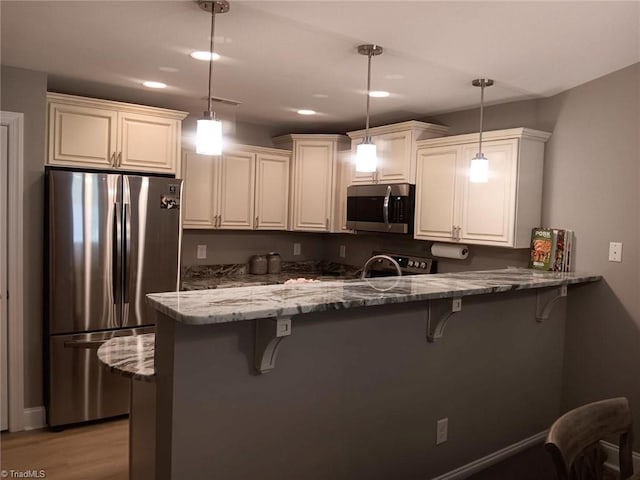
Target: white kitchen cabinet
(396, 151)
(245, 188)
(500, 212)
(86, 132)
(314, 177)
(272, 191)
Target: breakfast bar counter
(204, 307)
(347, 379)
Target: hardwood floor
(88, 452)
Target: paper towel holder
(445, 250)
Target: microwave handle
(385, 206)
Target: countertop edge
(473, 286)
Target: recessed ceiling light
(394, 76)
(378, 94)
(320, 95)
(205, 56)
(168, 69)
(306, 112)
(154, 84)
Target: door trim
(15, 123)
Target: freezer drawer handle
(83, 343)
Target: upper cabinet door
(313, 184)
(272, 191)
(94, 133)
(237, 190)
(81, 136)
(147, 143)
(199, 174)
(488, 209)
(436, 195)
(394, 157)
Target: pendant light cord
(482, 84)
(367, 139)
(213, 23)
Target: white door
(436, 193)
(272, 192)
(487, 209)
(313, 178)
(237, 190)
(81, 136)
(4, 399)
(147, 143)
(199, 174)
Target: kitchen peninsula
(358, 386)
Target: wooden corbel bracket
(269, 334)
(546, 299)
(438, 314)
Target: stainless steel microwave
(381, 208)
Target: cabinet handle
(119, 162)
(112, 161)
(257, 220)
(326, 223)
(219, 221)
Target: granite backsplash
(202, 277)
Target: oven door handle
(385, 207)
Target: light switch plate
(615, 251)
(343, 251)
(296, 249)
(201, 251)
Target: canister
(274, 262)
(258, 264)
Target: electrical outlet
(343, 251)
(615, 251)
(442, 430)
(201, 251)
(456, 304)
(296, 249)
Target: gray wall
(25, 91)
(591, 185)
(225, 247)
(356, 393)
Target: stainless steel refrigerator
(111, 239)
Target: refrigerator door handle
(117, 258)
(127, 253)
(84, 343)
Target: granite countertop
(248, 303)
(131, 356)
(204, 277)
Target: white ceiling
(281, 56)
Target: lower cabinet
(245, 188)
(500, 212)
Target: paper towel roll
(449, 251)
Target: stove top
(409, 265)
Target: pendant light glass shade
(209, 137)
(366, 156)
(479, 168)
(209, 130)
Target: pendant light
(479, 171)
(209, 130)
(366, 158)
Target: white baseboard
(34, 418)
(612, 457)
(495, 457)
